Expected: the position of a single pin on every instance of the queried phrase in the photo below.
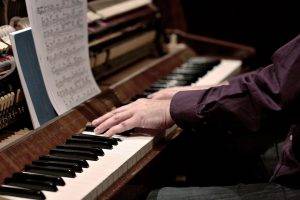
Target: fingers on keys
(121, 127)
(115, 119)
(108, 115)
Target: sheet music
(60, 35)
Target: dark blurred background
(265, 25)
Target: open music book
(60, 36)
(39, 105)
(52, 58)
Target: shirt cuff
(185, 109)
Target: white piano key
(103, 173)
(220, 73)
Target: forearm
(264, 98)
(198, 87)
(233, 106)
(202, 87)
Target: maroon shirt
(265, 101)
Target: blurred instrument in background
(13, 109)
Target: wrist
(169, 121)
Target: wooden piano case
(116, 90)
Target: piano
(64, 159)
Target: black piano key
(95, 150)
(190, 69)
(89, 143)
(113, 141)
(193, 66)
(54, 171)
(31, 184)
(140, 96)
(74, 154)
(89, 128)
(159, 85)
(191, 72)
(176, 77)
(73, 166)
(190, 66)
(147, 93)
(197, 68)
(204, 61)
(186, 77)
(86, 139)
(39, 177)
(177, 83)
(161, 82)
(169, 83)
(81, 162)
(21, 192)
(152, 90)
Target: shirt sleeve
(261, 98)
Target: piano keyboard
(199, 71)
(60, 178)
(220, 73)
(86, 165)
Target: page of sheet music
(60, 35)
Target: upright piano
(132, 55)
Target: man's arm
(263, 98)
(168, 93)
(250, 102)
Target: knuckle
(139, 118)
(115, 118)
(123, 124)
(115, 129)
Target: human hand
(143, 113)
